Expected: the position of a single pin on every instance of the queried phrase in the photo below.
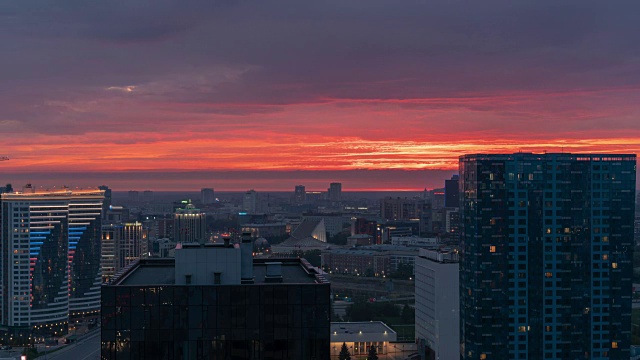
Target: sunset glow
(277, 95)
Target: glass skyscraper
(546, 260)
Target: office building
(546, 260)
(207, 196)
(335, 192)
(215, 302)
(437, 305)
(50, 263)
(189, 224)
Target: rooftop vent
(274, 272)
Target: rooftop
(162, 272)
(361, 331)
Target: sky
(377, 94)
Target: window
(217, 278)
(614, 344)
(614, 265)
(492, 248)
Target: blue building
(546, 260)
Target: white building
(360, 336)
(437, 305)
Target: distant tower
(131, 243)
(207, 196)
(249, 202)
(300, 195)
(335, 192)
(451, 192)
(189, 225)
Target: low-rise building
(360, 336)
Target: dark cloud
(251, 58)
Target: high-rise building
(546, 261)
(207, 196)
(300, 195)
(437, 305)
(122, 244)
(131, 243)
(189, 224)
(249, 201)
(50, 262)
(335, 192)
(451, 192)
(109, 259)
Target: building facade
(212, 304)
(189, 225)
(207, 196)
(50, 259)
(546, 259)
(437, 305)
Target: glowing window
(522, 329)
(614, 265)
(483, 356)
(614, 344)
(492, 248)
(605, 257)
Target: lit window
(614, 265)
(605, 257)
(522, 329)
(492, 248)
(605, 239)
(614, 344)
(548, 274)
(483, 356)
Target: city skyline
(240, 90)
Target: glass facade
(547, 251)
(258, 321)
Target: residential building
(437, 305)
(50, 263)
(249, 202)
(546, 256)
(335, 192)
(300, 195)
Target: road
(87, 348)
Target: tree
(373, 354)
(408, 314)
(344, 353)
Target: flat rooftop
(366, 327)
(162, 272)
